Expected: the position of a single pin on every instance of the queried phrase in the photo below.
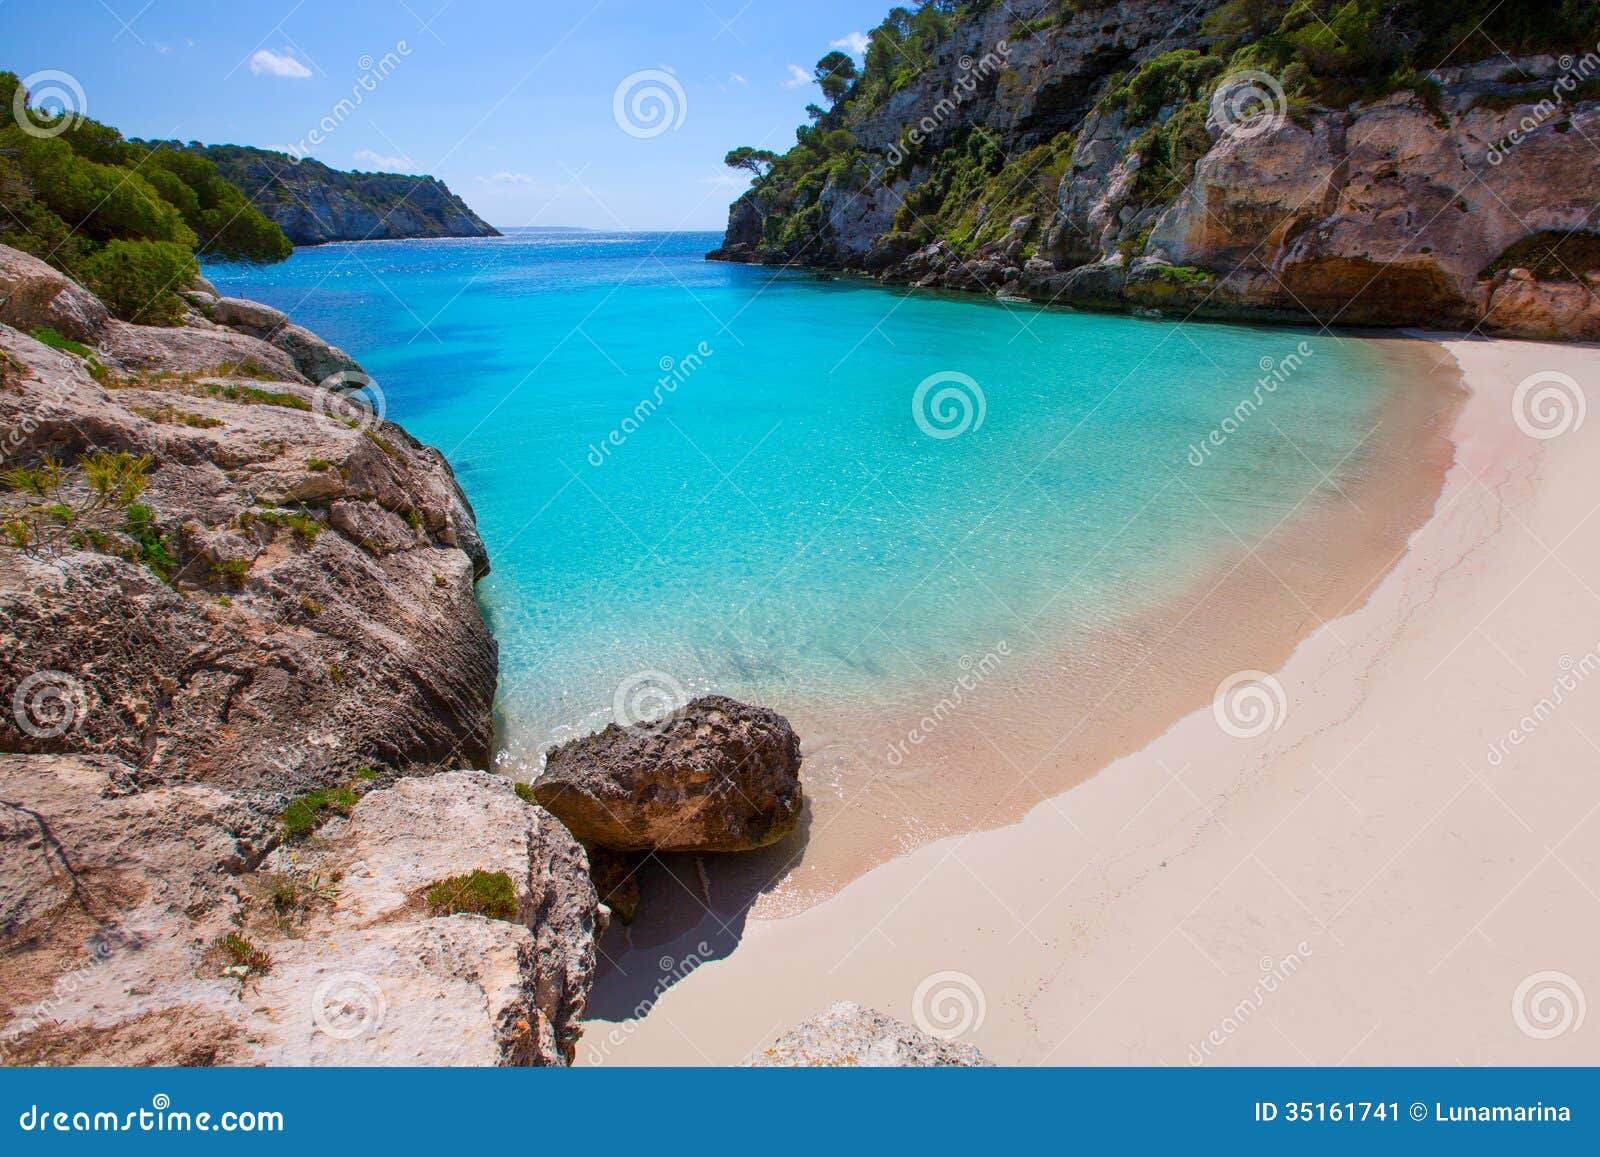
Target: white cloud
(735, 78)
(265, 63)
(505, 178)
(855, 44)
(372, 160)
(797, 77)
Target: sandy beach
(1380, 853)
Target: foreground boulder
(32, 294)
(515, 986)
(850, 1036)
(173, 940)
(716, 775)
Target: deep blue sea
(704, 476)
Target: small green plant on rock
(481, 893)
(293, 896)
(524, 792)
(56, 340)
(306, 813)
(232, 571)
(243, 954)
(90, 506)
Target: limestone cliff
(1221, 158)
(237, 616)
(313, 203)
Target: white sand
(1394, 882)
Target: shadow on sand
(685, 919)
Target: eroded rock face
(514, 990)
(714, 776)
(170, 683)
(1388, 212)
(313, 357)
(33, 294)
(140, 888)
(289, 647)
(848, 1035)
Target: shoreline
(1122, 920)
(1004, 750)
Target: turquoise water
(774, 522)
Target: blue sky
(513, 104)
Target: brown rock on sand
(716, 775)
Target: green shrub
(490, 894)
(232, 571)
(68, 198)
(524, 792)
(252, 396)
(137, 279)
(155, 548)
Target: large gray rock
(848, 1035)
(714, 776)
(313, 357)
(194, 350)
(111, 904)
(32, 294)
(253, 315)
(326, 658)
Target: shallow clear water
(774, 522)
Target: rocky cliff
(1345, 163)
(237, 619)
(313, 203)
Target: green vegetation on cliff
(971, 175)
(126, 220)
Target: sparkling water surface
(693, 475)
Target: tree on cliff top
(753, 161)
(835, 72)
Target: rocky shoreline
(1461, 201)
(238, 620)
(243, 667)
